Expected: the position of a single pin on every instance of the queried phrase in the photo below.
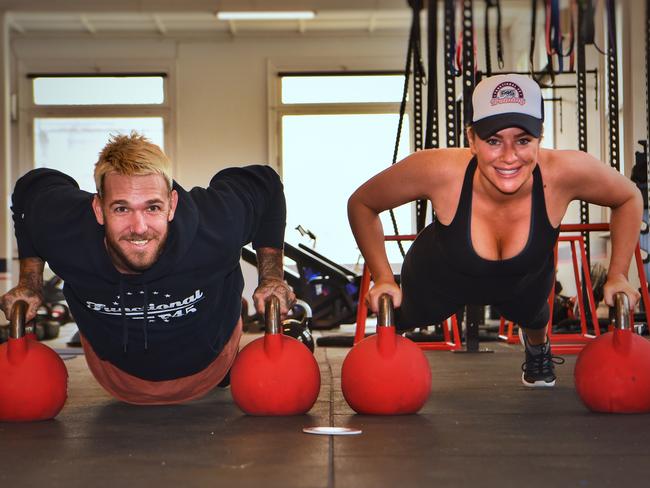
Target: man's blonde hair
(132, 155)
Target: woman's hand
(619, 283)
(381, 287)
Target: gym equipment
(299, 329)
(54, 305)
(612, 373)
(34, 378)
(386, 374)
(275, 374)
(330, 289)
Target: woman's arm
(595, 182)
(419, 176)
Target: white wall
(222, 93)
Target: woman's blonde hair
(132, 155)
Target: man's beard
(123, 261)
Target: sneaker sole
(537, 384)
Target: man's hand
(271, 282)
(29, 289)
(277, 287)
(33, 298)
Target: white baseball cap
(504, 101)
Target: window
(70, 118)
(342, 89)
(102, 90)
(336, 133)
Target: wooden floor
(479, 428)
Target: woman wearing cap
(498, 206)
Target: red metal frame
(509, 337)
(447, 344)
(573, 343)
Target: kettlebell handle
(386, 313)
(305, 306)
(622, 311)
(18, 314)
(272, 315)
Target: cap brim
(489, 126)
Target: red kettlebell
(386, 374)
(275, 374)
(33, 378)
(612, 373)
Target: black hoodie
(173, 319)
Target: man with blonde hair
(151, 270)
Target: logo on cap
(507, 92)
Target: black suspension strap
(556, 38)
(451, 123)
(570, 52)
(598, 48)
(586, 21)
(486, 41)
(500, 61)
(418, 77)
(468, 63)
(581, 85)
(431, 136)
(647, 106)
(413, 57)
(612, 87)
(489, 5)
(547, 40)
(533, 36)
(474, 314)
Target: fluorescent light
(252, 15)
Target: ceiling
(205, 23)
(169, 18)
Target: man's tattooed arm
(271, 280)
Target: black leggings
(422, 305)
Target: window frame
(27, 110)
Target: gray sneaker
(539, 367)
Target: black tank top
(465, 276)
